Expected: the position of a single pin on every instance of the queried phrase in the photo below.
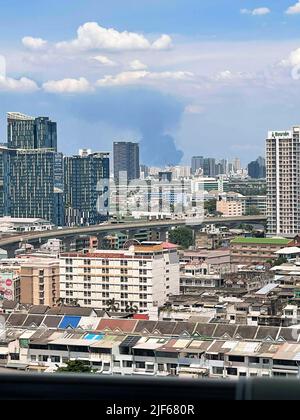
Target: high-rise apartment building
(25, 132)
(35, 170)
(283, 181)
(86, 188)
(34, 190)
(142, 277)
(4, 181)
(126, 160)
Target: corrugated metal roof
(267, 289)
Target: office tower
(283, 182)
(126, 160)
(144, 276)
(197, 163)
(33, 187)
(257, 168)
(209, 167)
(86, 188)
(25, 132)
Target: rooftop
(261, 241)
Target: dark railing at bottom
(123, 389)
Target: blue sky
(188, 77)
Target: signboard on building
(7, 286)
(280, 135)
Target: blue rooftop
(96, 337)
(69, 322)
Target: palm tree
(60, 302)
(131, 308)
(113, 306)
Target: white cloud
(138, 65)
(172, 75)
(104, 60)
(260, 11)
(91, 36)
(293, 10)
(34, 43)
(80, 85)
(292, 60)
(125, 78)
(133, 77)
(162, 43)
(23, 84)
(228, 75)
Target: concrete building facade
(142, 277)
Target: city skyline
(227, 72)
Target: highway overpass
(127, 226)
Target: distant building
(237, 165)
(231, 208)
(86, 188)
(126, 160)
(165, 176)
(197, 163)
(11, 224)
(144, 171)
(180, 172)
(257, 169)
(209, 167)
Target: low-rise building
(39, 281)
(138, 278)
(246, 251)
(12, 225)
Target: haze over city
(196, 77)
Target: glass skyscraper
(35, 181)
(86, 188)
(126, 160)
(25, 132)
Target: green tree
(75, 366)
(210, 206)
(182, 236)
(279, 261)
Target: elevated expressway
(106, 228)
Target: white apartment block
(143, 276)
(283, 182)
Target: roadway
(112, 227)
